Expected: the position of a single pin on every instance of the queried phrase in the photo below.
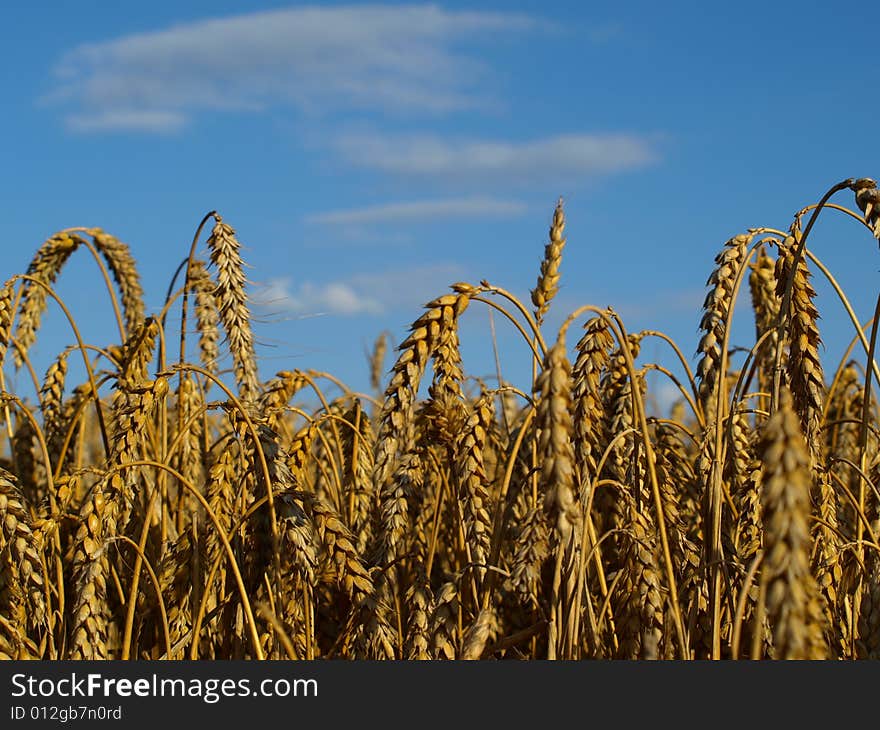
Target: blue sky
(369, 155)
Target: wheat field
(168, 508)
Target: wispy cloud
(605, 32)
(369, 56)
(360, 294)
(140, 121)
(435, 156)
(335, 297)
(418, 210)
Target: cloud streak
(360, 294)
(442, 157)
(137, 121)
(371, 56)
(419, 210)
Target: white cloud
(419, 210)
(335, 297)
(370, 56)
(434, 156)
(366, 293)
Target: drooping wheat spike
(133, 403)
(176, 581)
(679, 453)
(445, 407)
(351, 573)
(748, 541)
(617, 405)
(478, 635)
(123, 267)
(531, 542)
(419, 605)
(90, 567)
(13, 630)
(338, 546)
(444, 622)
(749, 531)
(842, 419)
(803, 367)
(738, 457)
(716, 311)
(207, 315)
(30, 482)
(373, 636)
(299, 451)
(45, 267)
(617, 397)
(843, 409)
(826, 559)
(298, 529)
(680, 491)
(473, 484)
(741, 536)
(138, 352)
(69, 494)
(221, 494)
(794, 607)
(733, 466)
(19, 545)
(222, 491)
(7, 314)
(67, 426)
(15, 639)
(52, 396)
(297, 551)
(593, 350)
(640, 614)
(395, 424)
(807, 382)
(232, 302)
(674, 476)
(868, 643)
(189, 459)
(277, 394)
(765, 303)
(424, 337)
(298, 607)
(133, 406)
(407, 480)
(872, 503)
(548, 279)
(868, 200)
